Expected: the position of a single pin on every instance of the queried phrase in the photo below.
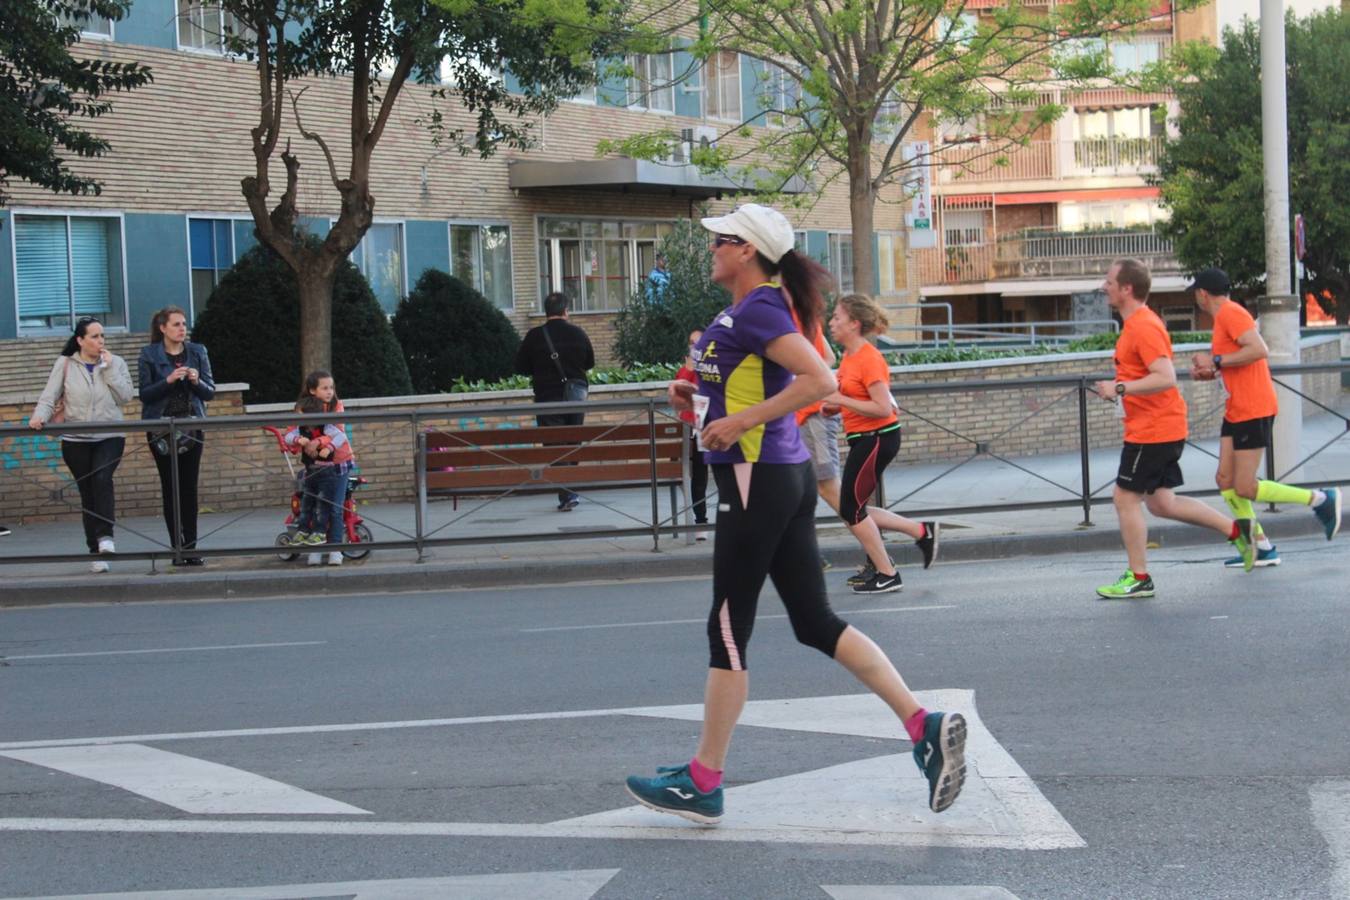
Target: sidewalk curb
(435, 576)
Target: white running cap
(767, 229)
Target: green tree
(655, 329)
(1211, 175)
(449, 331)
(846, 83)
(44, 89)
(251, 325)
(377, 47)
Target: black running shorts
(1253, 434)
(1146, 467)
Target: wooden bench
(523, 460)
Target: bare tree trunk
(861, 207)
(315, 280)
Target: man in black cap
(1238, 354)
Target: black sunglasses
(86, 320)
(722, 240)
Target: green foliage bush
(635, 375)
(449, 332)
(251, 326)
(656, 329)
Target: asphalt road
(1189, 746)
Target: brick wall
(243, 469)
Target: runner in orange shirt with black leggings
(1238, 355)
(1145, 387)
(872, 427)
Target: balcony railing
(982, 163)
(1044, 253)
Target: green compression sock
(1242, 509)
(1274, 492)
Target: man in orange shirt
(1238, 353)
(1145, 386)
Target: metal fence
(413, 424)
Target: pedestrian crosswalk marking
(580, 884)
(183, 782)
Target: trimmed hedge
(450, 333)
(251, 326)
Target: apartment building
(171, 218)
(1027, 235)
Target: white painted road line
(917, 892)
(580, 884)
(851, 612)
(191, 785)
(1331, 815)
(163, 650)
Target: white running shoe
(98, 567)
(314, 559)
(105, 545)
(335, 558)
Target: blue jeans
(321, 503)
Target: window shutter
(89, 254)
(688, 91)
(43, 266)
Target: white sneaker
(98, 567)
(105, 545)
(335, 558)
(314, 559)
(701, 536)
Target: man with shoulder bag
(557, 355)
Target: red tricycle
(352, 523)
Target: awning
(1128, 193)
(625, 175)
(967, 201)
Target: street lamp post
(1279, 307)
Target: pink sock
(705, 779)
(914, 725)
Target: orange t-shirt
(857, 371)
(818, 341)
(1150, 418)
(1251, 393)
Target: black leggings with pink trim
(771, 533)
(869, 454)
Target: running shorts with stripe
(773, 535)
(869, 453)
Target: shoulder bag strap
(553, 353)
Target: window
(1133, 55)
(599, 264)
(650, 86)
(963, 227)
(379, 256)
(92, 25)
(202, 26)
(780, 93)
(841, 260)
(892, 115)
(891, 264)
(210, 254)
(1129, 123)
(959, 31)
(480, 256)
(961, 131)
(66, 267)
(722, 86)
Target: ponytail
(805, 281)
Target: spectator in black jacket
(557, 374)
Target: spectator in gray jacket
(89, 384)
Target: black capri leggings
(869, 454)
(772, 534)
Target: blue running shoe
(941, 757)
(672, 791)
(1263, 559)
(1328, 512)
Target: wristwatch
(1120, 389)
(1218, 363)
